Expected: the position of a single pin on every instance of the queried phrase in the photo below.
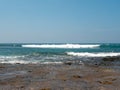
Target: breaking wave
(31, 60)
(13, 59)
(86, 54)
(61, 46)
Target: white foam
(18, 60)
(27, 62)
(86, 54)
(61, 46)
(13, 60)
(11, 57)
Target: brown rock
(105, 82)
(45, 89)
(2, 66)
(76, 76)
(68, 63)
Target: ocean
(47, 53)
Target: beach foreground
(58, 77)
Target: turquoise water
(55, 53)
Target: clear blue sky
(59, 21)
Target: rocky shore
(65, 76)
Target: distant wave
(61, 46)
(86, 54)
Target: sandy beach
(58, 77)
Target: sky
(59, 21)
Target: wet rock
(20, 87)
(45, 89)
(30, 71)
(72, 62)
(68, 63)
(2, 66)
(76, 76)
(105, 82)
(3, 83)
(111, 58)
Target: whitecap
(86, 54)
(62, 46)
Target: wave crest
(61, 46)
(86, 54)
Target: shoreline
(58, 77)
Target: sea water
(55, 53)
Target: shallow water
(56, 53)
